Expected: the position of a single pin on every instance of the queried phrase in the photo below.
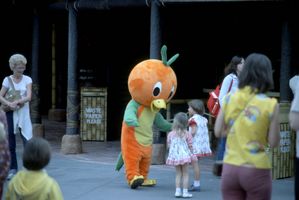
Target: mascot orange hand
(152, 83)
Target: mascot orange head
(152, 83)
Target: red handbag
(213, 103)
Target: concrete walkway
(91, 175)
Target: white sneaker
(178, 194)
(187, 195)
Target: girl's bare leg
(196, 183)
(185, 175)
(196, 169)
(185, 181)
(178, 176)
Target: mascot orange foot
(152, 83)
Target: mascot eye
(157, 89)
(171, 93)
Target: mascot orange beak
(158, 104)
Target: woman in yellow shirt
(249, 120)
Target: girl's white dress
(179, 149)
(201, 141)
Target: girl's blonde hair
(180, 123)
(16, 59)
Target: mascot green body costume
(152, 83)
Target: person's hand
(14, 105)
(20, 105)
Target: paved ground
(91, 175)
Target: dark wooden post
(71, 142)
(158, 155)
(56, 113)
(155, 34)
(38, 128)
(285, 63)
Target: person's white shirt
(224, 90)
(294, 112)
(21, 117)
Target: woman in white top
(294, 124)
(229, 85)
(18, 116)
(231, 81)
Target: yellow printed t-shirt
(247, 139)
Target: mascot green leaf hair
(152, 83)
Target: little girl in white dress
(198, 127)
(179, 141)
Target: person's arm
(294, 112)
(3, 91)
(192, 126)
(219, 125)
(224, 88)
(2, 94)
(294, 120)
(193, 129)
(189, 139)
(273, 134)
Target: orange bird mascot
(152, 83)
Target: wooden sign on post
(93, 114)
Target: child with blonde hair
(179, 141)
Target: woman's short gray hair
(16, 59)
